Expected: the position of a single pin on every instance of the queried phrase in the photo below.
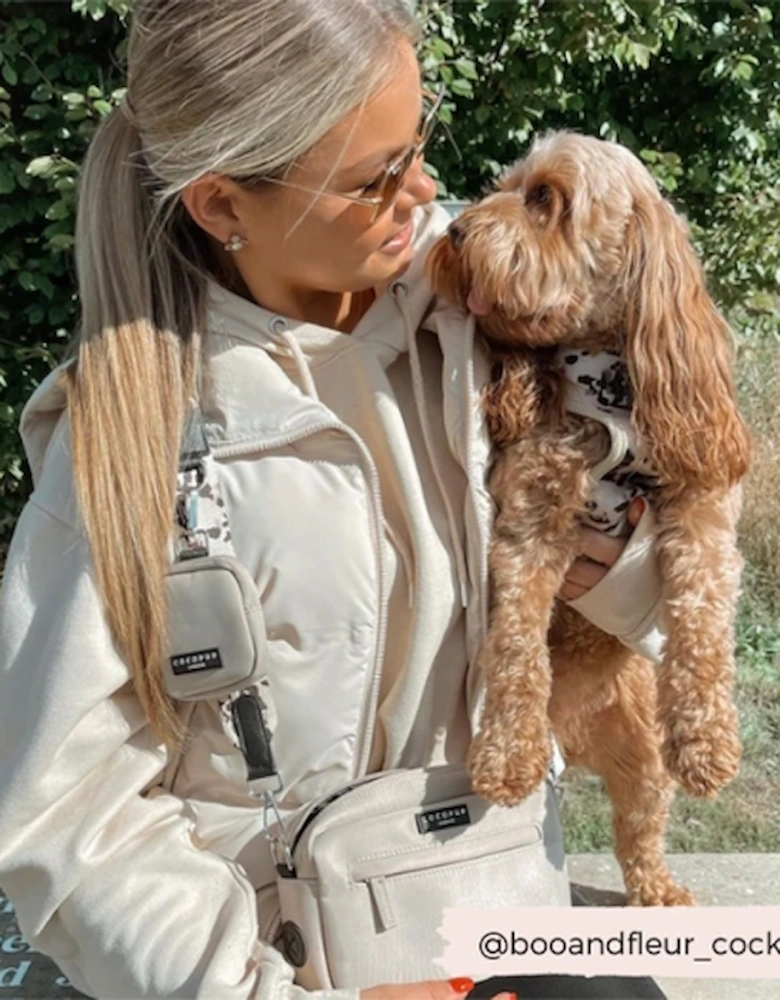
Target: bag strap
(202, 531)
(203, 527)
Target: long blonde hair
(242, 87)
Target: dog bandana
(598, 387)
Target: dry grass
(759, 389)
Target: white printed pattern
(598, 387)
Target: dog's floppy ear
(678, 350)
(520, 392)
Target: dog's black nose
(456, 235)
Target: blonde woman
(252, 227)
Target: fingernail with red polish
(462, 985)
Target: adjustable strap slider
(192, 542)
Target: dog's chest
(598, 387)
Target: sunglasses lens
(393, 182)
(395, 176)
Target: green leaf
(41, 166)
(10, 75)
(466, 68)
(42, 92)
(36, 314)
(440, 48)
(27, 280)
(59, 210)
(461, 87)
(96, 9)
(37, 112)
(61, 241)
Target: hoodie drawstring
(279, 329)
(399, 291)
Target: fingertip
(636, 510)
(461, 985)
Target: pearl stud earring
(235, 243)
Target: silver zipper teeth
(247, 447)
(461, 569)
(472, 480)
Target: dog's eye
(539, 195)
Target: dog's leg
(603, 711)
(620, 741)
(539, 486)
(700, 565)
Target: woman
(252, 227)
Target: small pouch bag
(216, 629)
(370, 870)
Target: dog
(611, 366)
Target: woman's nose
(417, 184)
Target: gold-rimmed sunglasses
(392, 178)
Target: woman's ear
(211, 202)
(679, 353)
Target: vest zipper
(246, 447)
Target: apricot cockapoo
(612, 379)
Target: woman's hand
(600, 553)
(435, 989)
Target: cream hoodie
(364, 519)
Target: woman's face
(301, 245)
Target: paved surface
(25, 973)
(716, 879)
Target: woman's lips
(400, 241)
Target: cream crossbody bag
(364, 874)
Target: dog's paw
(665, 893)
(704, 761)
(504, 772)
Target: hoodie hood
(40, 417)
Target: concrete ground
(716, 879)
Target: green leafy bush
(58, 75)
(689, 85)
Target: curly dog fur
(578, 247)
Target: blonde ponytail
(243, 87)
(133, 377)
